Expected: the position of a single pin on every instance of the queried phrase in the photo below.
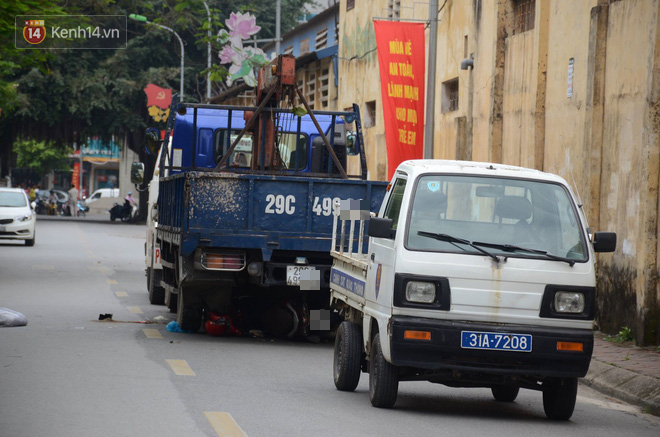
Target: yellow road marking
(224, 425)
(112, 282)
(180, 367)
(134, 310)
(121, 294)
(152, 333)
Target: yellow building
(566, 86)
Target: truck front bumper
(444, 351)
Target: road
(68, 374)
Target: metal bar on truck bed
(350, 241)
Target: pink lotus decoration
(243, 25)
(244, 60)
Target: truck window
(242, 155)
(393, 208)
(289, 148)
(531, 214)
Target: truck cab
(476, 275)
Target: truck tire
(505, 393)
(383, 378)
(348, 356)
(559, 395)
(189, 317)
(156, 292)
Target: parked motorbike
(41, 206)
(123, 212)
(82, 207)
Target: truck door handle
(373, 257)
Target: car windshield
(507, 217)
(12, 199)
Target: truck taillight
(223, 261)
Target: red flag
(401, 59)
(157, 96)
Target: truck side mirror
(604, 241)
(381, 228)
(352, 144)
(137, 173)
(152, 138)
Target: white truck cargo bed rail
(343, 242)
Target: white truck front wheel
(559, 395)
(383, 378)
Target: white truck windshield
(506, 217)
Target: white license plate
(496, 341)
(293, 274)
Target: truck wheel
(559, 396)
(383, 378)
(348, 356)
(156, 292)
(188, 317)
(505, 393)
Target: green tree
(40, 157)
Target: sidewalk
(626, 372)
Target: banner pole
(430, 80)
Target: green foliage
(40, 156)
(625, 335)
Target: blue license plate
(496, 341)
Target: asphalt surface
(68, 374)
(620, 370)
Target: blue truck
(242, 224)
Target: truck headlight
(569, 302)
(420, 292)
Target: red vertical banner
(401, 59)
(75, 177)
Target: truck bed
(255, 211)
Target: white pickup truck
(475, 275)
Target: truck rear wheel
(505, 393)
(156, 292)
(383, 378)
(189, 317)
(559, 395)
(348, 356)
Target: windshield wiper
(513, 248)
(452, 239)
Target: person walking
(73, 198)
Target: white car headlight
(420, 292)
(569, 302)
(23, 218)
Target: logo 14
(34, 31)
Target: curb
(628, 386)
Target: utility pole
(278, 17)
(208, 54)
(430, 80)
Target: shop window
(394, 9)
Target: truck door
(380, 276)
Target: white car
(103, 192)
(17, 220)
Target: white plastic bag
(11, 318)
